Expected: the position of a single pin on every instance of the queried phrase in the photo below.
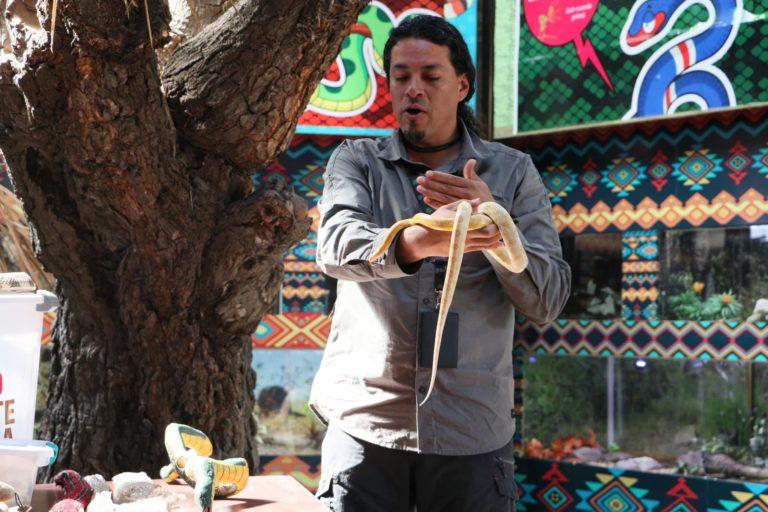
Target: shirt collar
(472, 146)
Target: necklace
(430, 149)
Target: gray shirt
(369, 382)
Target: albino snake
(511, 255)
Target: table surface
(273, 493)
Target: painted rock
(75, 487)
(67, 505)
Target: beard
(412, 135)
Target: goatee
(412, 136)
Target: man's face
(426, 91)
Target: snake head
(204, 486)
(647, 23)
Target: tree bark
(142, 206)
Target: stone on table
(130, 487)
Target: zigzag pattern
(563, 486)
(301, 266)
(630, 279)
(750, 207)
(662, 135)
(641, 294)
(304, 292)
(305, 469)
(292, 330)
(640, 267)
(728, 340)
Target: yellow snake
(511, 255)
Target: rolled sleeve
(347, 234)
(541, 291)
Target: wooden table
(274, 493)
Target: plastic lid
(44, 452)
(21, 298)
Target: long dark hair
(437, 30)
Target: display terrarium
(715, 273)
(660, 400)
(668, 416)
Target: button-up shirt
(370, 382)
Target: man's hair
(437, 30)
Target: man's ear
(463, 87)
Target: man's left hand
(441, 188)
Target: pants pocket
(504, 480)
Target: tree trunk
(142, 206)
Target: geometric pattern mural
(640, 275)
(305, 469)
(292, 330)
(672, 339)
(557, 486)
(711, 170)
(751, 207)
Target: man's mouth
(414, 111)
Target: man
(383, 452)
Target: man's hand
(440, 188)
(417, 242)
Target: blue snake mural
(683, 69)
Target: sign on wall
(562, 63)
(352, 98)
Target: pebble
(130, 487)
(67, 506)
(97, 483)
(7, 492)
(102, 502)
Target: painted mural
(352, 98)
(712, 171)
(587, 61)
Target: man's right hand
(417, 242)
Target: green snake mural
(360, 60)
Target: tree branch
(244, 261)
(232, 91)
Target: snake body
(189, 450)
(512, 255)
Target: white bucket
(19, 461)
(21, 326)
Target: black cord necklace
(430, 149)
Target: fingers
(469, 170)
(437, 196)
(452, 206)
(446, 178)
(428, 185)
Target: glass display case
(715, 273)
(670, 411)
(681, 393)
(595, 261)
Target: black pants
(362, 477)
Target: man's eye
(401, 78)
(433, 78)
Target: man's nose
(414, 88)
